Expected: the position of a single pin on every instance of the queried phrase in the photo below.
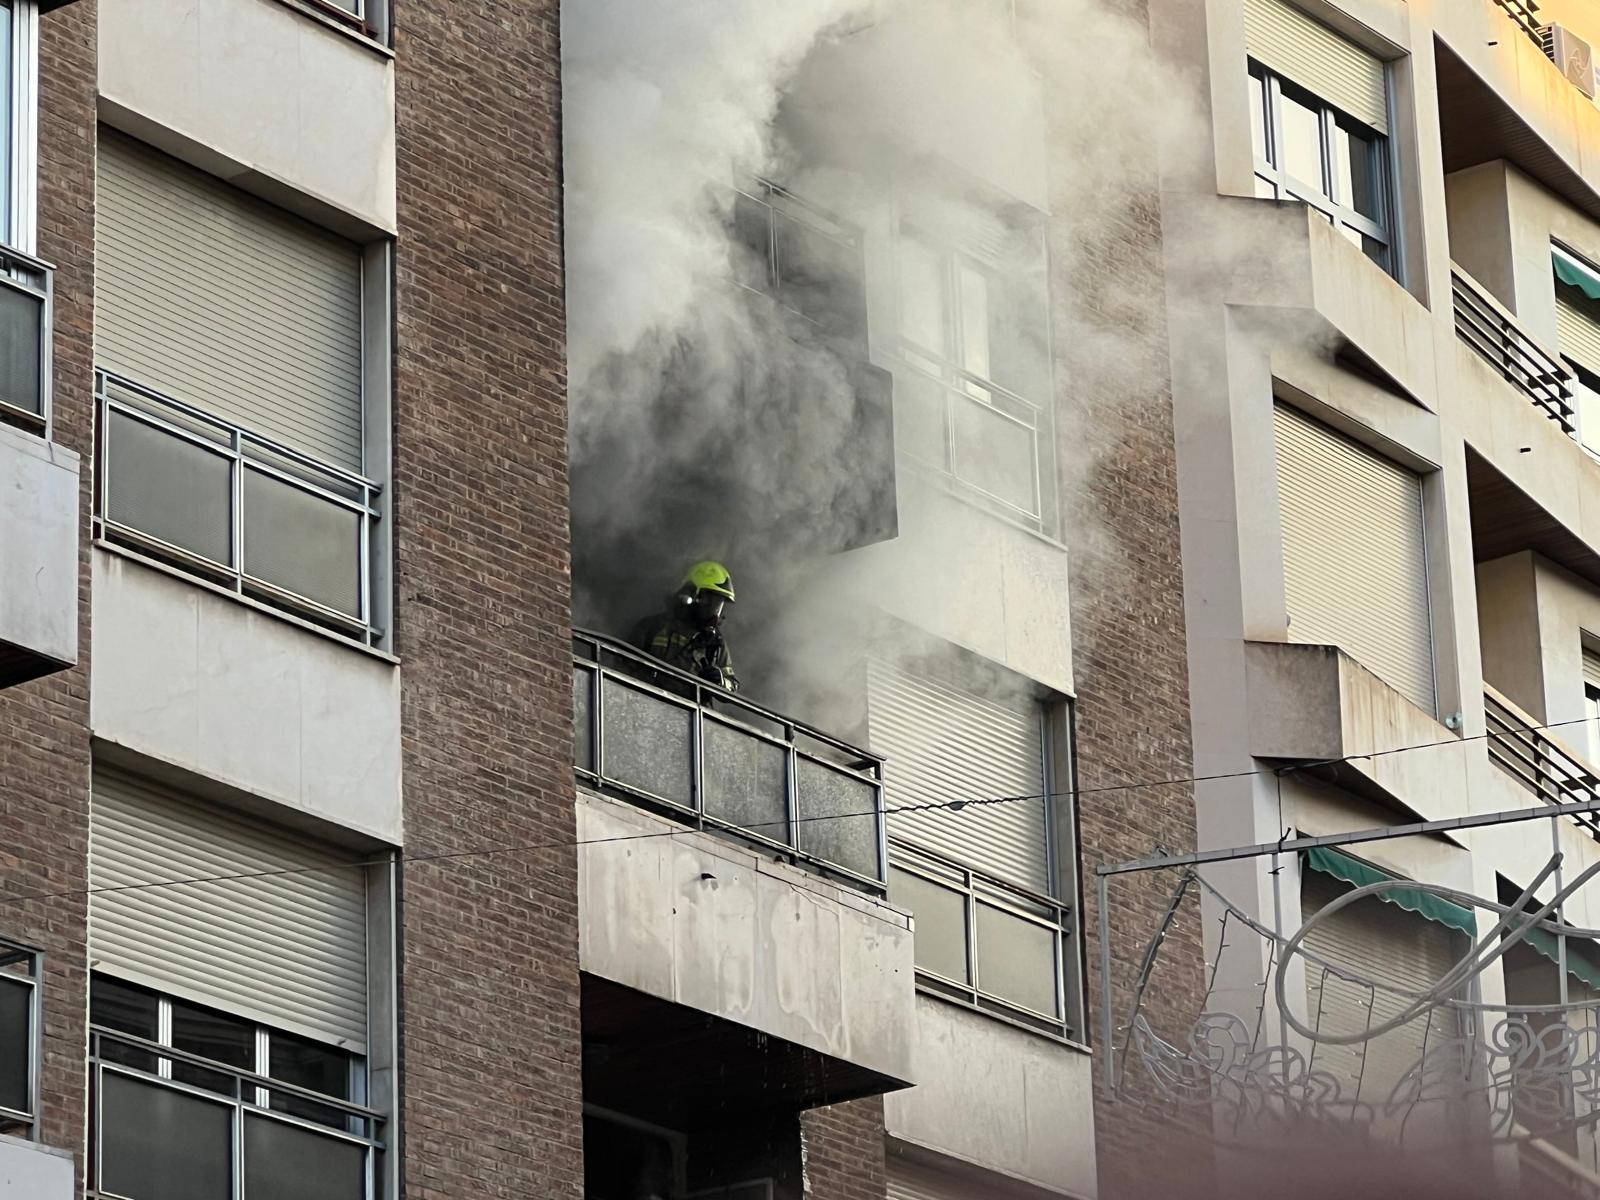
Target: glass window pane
(648, 743)
(819, 276)
(6, 100)
(287, 1162)
(168, 488)
(974, 285)
(1016, 960)
(213, 1035)
(995, 453)
(1356, 170)
(745, 781)
(923, 312)
(751, 221)
(160, 1144)
(123, 1007)
(21, 334)
(302, 543)
(941, 923)
(583, 718)
(316, 1068)
(1301, 142)
(16, 1043)
(838, 818)
(1591, 710)
(1258, 118)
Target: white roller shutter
(913, 1181)
(1577, 327)
(945, 745)
(288, 950)
(1390, 945)
(1354, 557)
(1305, 51)
(214, 297)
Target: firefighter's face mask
(708, 608)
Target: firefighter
(688, 633)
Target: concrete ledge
(33, 1171)
(1312, 703)
(997, 1098)
(38, 557)
(211, 686)
(700, 921)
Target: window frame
(31, 975)
(1268, 88)
(19, 162)
(958, 383)
(1060, 912)
(253, 1089)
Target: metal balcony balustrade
(1524, 15)
(21, 969)
(1537, 760)
(1497, 337)
(25, 316)
(986, 942)
(162, 1116)
(255, 516)
(690, 749)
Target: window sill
(934, 992)
(350, 31)
(262, 607)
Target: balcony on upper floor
(38, 487)
(1534, 372)
(674, 743)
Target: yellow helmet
(709, 577)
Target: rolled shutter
(1354, 557)
(943, 745)
(287, 950)
(1283, 39)
(913, 1181)
(1391, 946)
(214, 297)
(1578, 327)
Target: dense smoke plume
(710, 423)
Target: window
(1306, 149)
(192, 1102)
(983, 882)
(1577, 286)
(19, 1039)
(807, 261)
(1591, 704)
(24, 281)
(973, 400)
(242, 447)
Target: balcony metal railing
(262, 519)
(695, 751)
(21, 969)
(162, 1114)
(25, 318)
(1524, 15)
(1538, 761)
(1499, 340)
(984, 941)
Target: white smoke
(707, 426)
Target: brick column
(843, 1151)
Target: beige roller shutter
(1307, 52)
(1354, 557)
(944, 745)
(1389, 945)
(1578, 327)
(914, 1181)
(214, 297)
(288, 950)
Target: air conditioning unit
(1573, 55)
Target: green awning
(1581, 955)
(1424, 904)
(1574, 272)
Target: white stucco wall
(38, 547)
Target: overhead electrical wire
(401, 857)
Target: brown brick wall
(489, 982)
(44, 753)
(1129, 650)
(844, 1151)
